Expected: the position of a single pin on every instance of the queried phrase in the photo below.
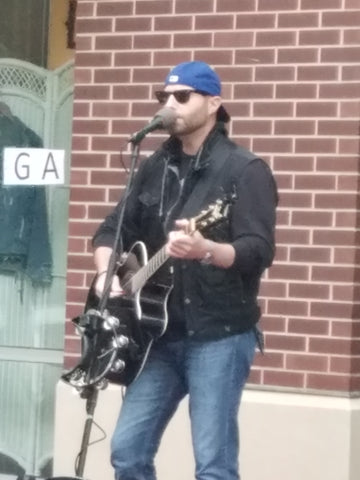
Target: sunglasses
(181, 96)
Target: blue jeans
(213, 374)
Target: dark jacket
(213, 301)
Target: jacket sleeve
(253, 218)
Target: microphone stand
(90, 392)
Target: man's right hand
(116, 289)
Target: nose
(171, 102)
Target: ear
(214, 104)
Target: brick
(108, 143)
(270, 360)
(315, 145)
(335, 200)
(215, 57)
(213, 22)
(251, 127)
(114, 9)
(192, 40)
(72, 345)
(92, 92)
(285, 379)
(76, 295)
(351, 72)
(310, 73)
(255, 56)
(345, 255)
(348, 146)
(93, 25)
(332, 274)
(312, 219)
(309, 326)
(75, 245)
(90, 126)
(310, 254)
(277, 5)
(79, 143)
(255, 21)
(129, 92)
(88, 160)
(155, 7)
(85, 194)
(235, 6)
(331, 310)
(293, 236)
(81, 109)
(339, 55)
(194, 6)
(284, 182)
(297, 55)
(171, 58)
(99, 212)
(78, 177)
(342, 328)
(293, 163)
(337, 163)
(352, 37)
(273, 323)
(309, 363)
(80, 262)
(316, 108)
(273, 145)
(85, 9)
(290, 272)
(113, 42)
(150, 75)
(131, 59)
(173, 23)
(320, 4)
(346, 18)
(343, 364)
(298, 20)
(294, 127)
(285, 342)
(252, 90)
(111, 109)
(90, 59)
(338, 127)
(303, 90)
(274, 73)
(331, 346)
(133, 24)
(320, 37)
(152, 41)
(273, 109)
(309, 291)
(275, 38)
(272, 289)
(315, 182)
(83, 75)
(235, 39)
(328, 382)
(83, 43)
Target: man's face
(194, 114)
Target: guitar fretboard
(139, 278)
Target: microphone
(162, 120)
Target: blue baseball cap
(200, 76)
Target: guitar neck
(138, 280)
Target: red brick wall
(291, 80)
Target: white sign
(33, 166)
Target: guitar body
(116, 340)
(142, 316)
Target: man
(208, 347)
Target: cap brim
(222, 115)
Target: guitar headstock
(214, 214)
